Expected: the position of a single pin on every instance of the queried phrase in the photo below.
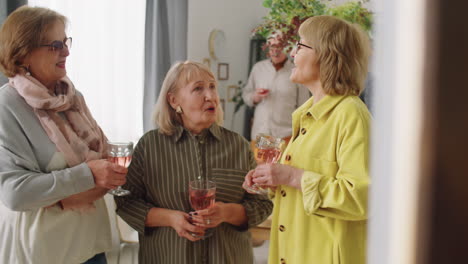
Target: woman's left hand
(277, 174)
(211, 217)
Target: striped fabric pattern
(159, 175)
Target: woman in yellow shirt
(321, 185)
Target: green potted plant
(287, 15)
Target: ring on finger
(208, 221)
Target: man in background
(274, 96)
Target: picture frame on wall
(231, 92)
(223, 71)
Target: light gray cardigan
(25, 154)
(34, 175)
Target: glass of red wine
(268, 150)
(120, 153)
(202, 194)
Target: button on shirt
(273, 114)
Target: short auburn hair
(343, 51)
(179, 75)
(24, 30)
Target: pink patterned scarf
(77, 136)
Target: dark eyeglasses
(299, 44)
(59, 45)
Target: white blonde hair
(179, 75)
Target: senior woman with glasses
(52, 175)
(320, 213)
(190, 144)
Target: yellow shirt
(325, 222)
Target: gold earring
(179, 109)
(26, 69)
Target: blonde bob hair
(24, 30)
(343, 52)
(179, 75)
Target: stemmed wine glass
(120, 153)
(202, 194)
(268, 150)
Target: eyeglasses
(299, 44)
(59, 45)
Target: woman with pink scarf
(53, 175)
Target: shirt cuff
(256, 212)
(310, 191)
(251, 215)
(135, 214)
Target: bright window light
(106, 60)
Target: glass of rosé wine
(268, 150)
(263, 90)
(202, 194)
(120, 153)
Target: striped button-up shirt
(159, 175)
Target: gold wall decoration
(232, 91)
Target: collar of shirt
(279, 66)
(288, 64)
(214, 130)
(318, 110)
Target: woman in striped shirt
(190, 144)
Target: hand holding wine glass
(248, 183)
(181, 223)
(210, 217)
(120, 153)
(260, 94)
(107, 175)
(277, 174)
(202, 195)
(268, 151)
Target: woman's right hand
(248, 183)
(250, 186)
(106, 174)
(180, 221)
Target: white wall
(106, 60)
(237, 19)
(396, 133)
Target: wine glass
(268, 150)
(120, 153)
(265, 87)
(263, 91)
(202, 195)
